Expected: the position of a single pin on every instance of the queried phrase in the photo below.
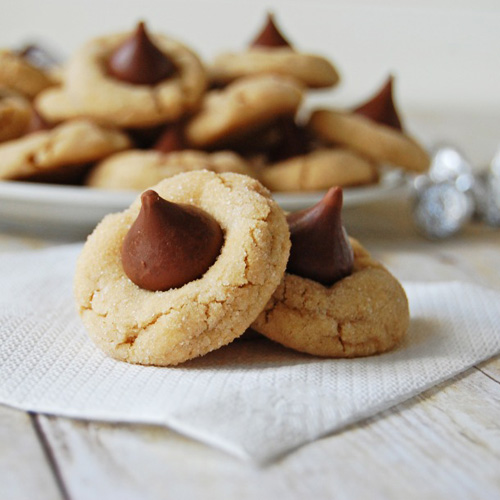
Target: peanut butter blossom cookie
(319, 169)
(183, 271)
(61, 154)
(242, 108)
(128, 80)
(137, 169)
(373, 129)
(270, 52)
(334, 300)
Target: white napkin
(253, 398)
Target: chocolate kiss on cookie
(270, 36)
(380, 107)
(321, 250)
(170, 140)
(169, 244)
(137, 60)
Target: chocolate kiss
(170, 140)
(321, 250)
(270, 36)
(380, 107)
(169, 244)
(137, 60)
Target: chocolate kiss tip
(149, 198)
(270, 35)
(381, 108)
(321, 250)
(169, 244)
(139, 61)
(333, 197)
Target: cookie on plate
(271, 53)
(243, 107)
(18, 74)
(59, 154)
(335, 300)
(373, 129)
(318, 170)
(139, 286)
(128, 80)
(137, 170)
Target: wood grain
(24, 470)
(442, 444)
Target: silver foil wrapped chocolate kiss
(443, 200)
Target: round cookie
(137, 169)
(15, 115)
(90, 91)
(18, 74)
(169, 327)
(310, 70)
(362, 314)
(379, 142)
(271, 53)
(241, 108)
(59, 151)
(318, 170)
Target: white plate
(76, 210)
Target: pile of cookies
(201, 257)
(128, 110)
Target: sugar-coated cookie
(334, 300)
(318, 170)
(242, 107)
(360, 315)
(139, 93)
(137, 169)
(138, 325)
(59, 151)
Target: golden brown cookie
(318, 170)
(168, 327)
(90, 91)
(15, 114)
(137, 170)
(379, 142)
(18, 74)
(310, 70)
(362, 314)
(272, 53)
(242, 107)
(59, 151)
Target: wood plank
(25, 472)
(443, 444)
(492, 368)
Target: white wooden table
(442, 444)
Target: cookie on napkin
(184, 270)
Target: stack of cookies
(201, 257)
(128, 110)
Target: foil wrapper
(487, 193)
(441, 209)
(444, 200)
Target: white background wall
(444, 53)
